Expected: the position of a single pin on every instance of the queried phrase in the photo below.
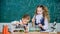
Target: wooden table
(0, 33)
(32, 33)
(58, 33)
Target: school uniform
(39, 19)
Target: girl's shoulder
(20, 20)
(14, 22)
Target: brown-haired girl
(41, 17)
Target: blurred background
(12, 10)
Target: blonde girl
(41, 17)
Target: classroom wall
(11, 10)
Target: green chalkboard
(11, 10)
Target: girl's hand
(33, 21)
(40, 25)
(26, 31)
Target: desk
(32, 33)
(58, 33)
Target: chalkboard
(11, 10)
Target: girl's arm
(33, 21)
(46, 24)
(26, 28)
(15, 23)
(45, 27)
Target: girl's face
(25, 21)
(39, 10)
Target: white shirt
(38, 17)
(46, 23)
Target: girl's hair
(26, 16)
(45, 11)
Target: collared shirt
(38, 18)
